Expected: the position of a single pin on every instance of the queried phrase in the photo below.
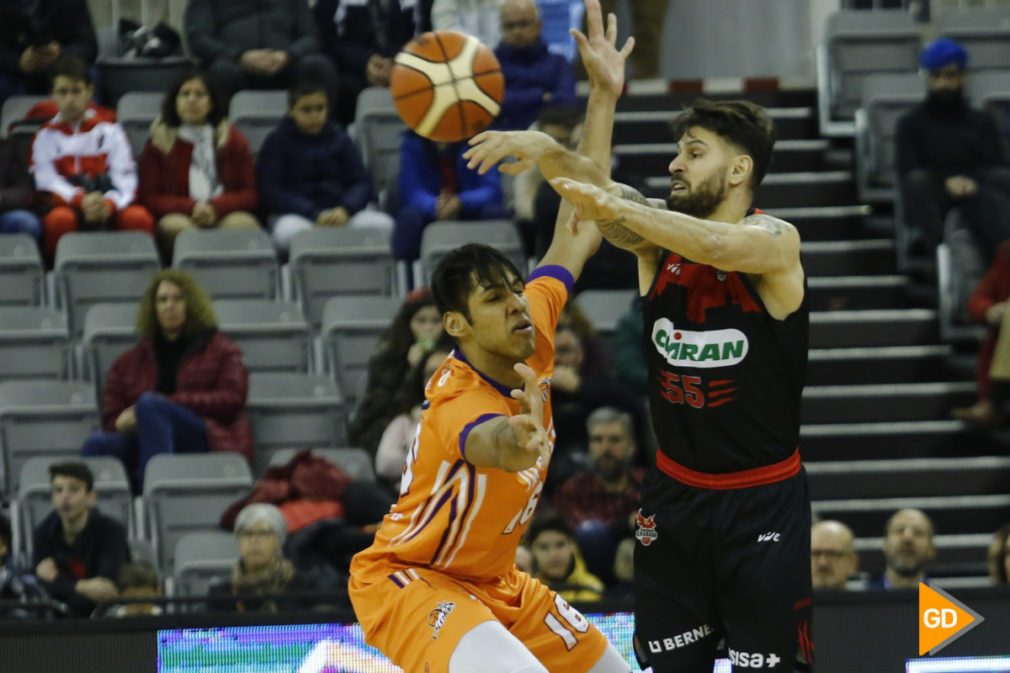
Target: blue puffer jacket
(421, 178)
(530, 73)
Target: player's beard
(701, 200)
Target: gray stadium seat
(34, 343)
(984, 32)
(256, 113)
(34, 502)
(202, 559)
(188, 492)
(43, 418)
(109, 330)
(14, 109)
(378, 127)
(105, 266)
(273, 335)
(351, 328)
(135, 112)
(229, 263)
(886, 97)
(856, 44)
(357, 463)
(294, 410)
(20, 271)
(337, 261)
(605, 307)
(441, 237)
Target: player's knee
(610, 662)
(510, 655)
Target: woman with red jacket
(196, 170)
(181, 389)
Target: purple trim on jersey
(504, 390)
(452, 471)
(395, 581)
(555, 271)
(445, 533)
(469, 500)
(468, 428)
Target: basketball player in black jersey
(724, 529)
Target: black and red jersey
(725, 378)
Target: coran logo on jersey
(437, 617)
(645, 532)
(715, 348)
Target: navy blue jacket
(305, 175)
(421, 179)
(529, 74)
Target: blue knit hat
(941, 53)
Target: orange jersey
(451, 516)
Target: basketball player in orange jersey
(438, 590)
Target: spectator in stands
(83, 162)
(196, 170)
(138, 579)
(556, 559)
(600, 504)
(564, 125)
(262, 570)
(950, 155)
(524, 558)
(998, 559)
(987, 305)
(534, 77)
(626, 348)
(622, 589)
(310, 173)
(362, 38)
(435, 184)
(474, 17)
(15, 583)
(647, 22)
(833, 558)
(34, 35)
(908, 550)
(416, 329)
(181, 389)
(398, 435)
(16, 215)
(78, 551)
(269, 45)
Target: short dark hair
(5, 533)
(469, 266)
(137, 574)
(76, 470)
(548, 519)
(218, 108)
(72, 67)
(740, 122)
(305, 88)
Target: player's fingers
(527, 374)
(629, 46)
(612, 28)
(481, 137)
(516, 167)
(594, 18)
(580, 40)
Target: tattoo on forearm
(618, 234)
(629, 194)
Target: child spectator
(196, 171)
(16, 193)
(82, 160)
(310, 173)
(556, 559)
(138, 579)
(435, 184)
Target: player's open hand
(590, 202)
(490, 147)
(528, 424)
(603, 62)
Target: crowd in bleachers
(333, 350)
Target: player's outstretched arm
(513, 443)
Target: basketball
(447, 86)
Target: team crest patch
(645, 532)
(545, 389)
(437, 617)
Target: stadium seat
(886, 97)
(34, 343)
(109, 330)
(229, 263)
(378, 127)
(135, 112)
(294, 411)
(202, 559)
(114, 498)
(20, 271)
(188, 492)
(43, 418)
(351, 328)
(119, 76)
(984, 32)
(357, 463)
(256, 113)
(441, 237)
(605, 307)
(329, 262)
(14, 109)
(102, 266)
(273, 335)
(856, 44)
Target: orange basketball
(447, 86)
